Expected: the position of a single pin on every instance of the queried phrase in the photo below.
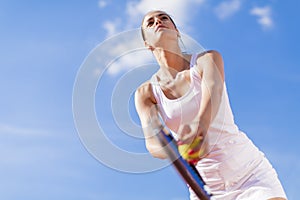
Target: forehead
(152, 14)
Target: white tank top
(184, 109)
(228, 148)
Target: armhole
(193, 60)
(193, 70)
(154, 89)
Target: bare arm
(210, 67)
(147, 111)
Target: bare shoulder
(144, 94)
(210, 56)
(144, 89)
(210, 59)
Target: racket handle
(187, 171)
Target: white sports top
(229, 150)
(183, 109)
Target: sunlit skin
(161, 37)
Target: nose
(157, 21)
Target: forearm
(150, 130)
(148, 114)
(155, 148)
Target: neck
(171, 58)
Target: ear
(178, 33)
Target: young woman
(189, 93)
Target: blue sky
(43, 46)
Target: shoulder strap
(193, 60)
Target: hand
(192, 152)
(188, 132)
(190, 144)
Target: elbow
(158, 155)
(156, 152)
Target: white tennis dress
(234, 168)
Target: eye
(165, 18)
(150, 23)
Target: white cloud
(20, 131)
(26, 146)
(127, 53)
(102, 4)
(127, 62)
(182, 11)
(264, 16)
(111, 27)
(227, 8)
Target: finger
(190, 133)
(190, 151)
(193, 161)
(188, 138)
(183, 131)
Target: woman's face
(158, 26)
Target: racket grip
(187, 171)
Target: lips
(159, 27)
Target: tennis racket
(187, 171)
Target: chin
(163, 38)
